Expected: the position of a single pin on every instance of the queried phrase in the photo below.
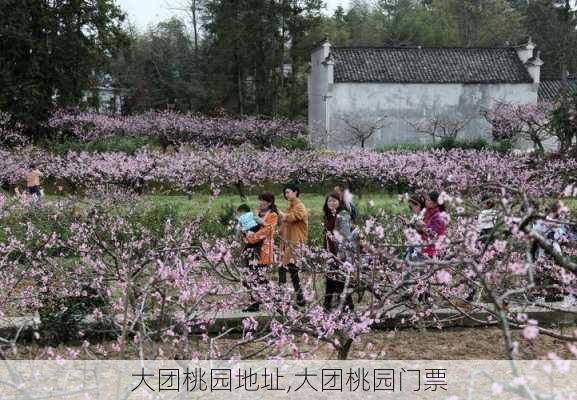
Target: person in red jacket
(433, 225)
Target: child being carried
(248, 222)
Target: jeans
(34, 190)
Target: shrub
(406, 147)
(294, 143)
(470, 144)
(11, 132)
(171, 128)
(62, 317)
(114, 144)
(447, 143)
(153, 218)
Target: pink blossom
(444, 277)
(530, 332)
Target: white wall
(319, 86)
(404, 102)
(109, 101)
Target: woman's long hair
(269, 197)
(327, 210)
(418, 200)
(434, 196)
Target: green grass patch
(203, 203)
(119, 144)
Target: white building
(104, 99)
(396, 91)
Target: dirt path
(449, 344)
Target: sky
(145, 12)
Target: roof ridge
(420, 48)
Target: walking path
(561, 315)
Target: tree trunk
(343, 352)
(195, 26)
(539, 146)
(240, 189)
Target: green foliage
(472, 144)
(123, 144)
(466, 23)
(227, 214)
(162, 70)
(246, 48)
(552, 25)
(153, 218)
(48, 219)
(299, 143)
(484, 23)
(49, 52)
(219, 222)
(565, 123)
(406, 147)
(448, 144)
(63, 317)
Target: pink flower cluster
(186, 170)
(176, 128)
(159, 286)
(528, 121)
(11, 132)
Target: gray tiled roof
(428, 65)
(549, 89)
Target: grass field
(201, 203)
(225, 204)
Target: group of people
(426, 226)
(428, 223)
(258, 231)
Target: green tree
(53, 50)
(363, 24)
(397, 21)
(482, 23)
(161, 71)
(249, 42)
(334, 27)
(195, 10)
(552, 24)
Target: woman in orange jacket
(264, 237)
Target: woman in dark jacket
(338, 241)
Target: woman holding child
(262, 243)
